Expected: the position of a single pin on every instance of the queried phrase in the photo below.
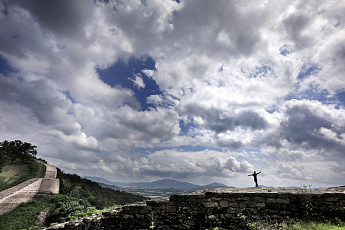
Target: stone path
(24, 192)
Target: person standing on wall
(255, 178)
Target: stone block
(271, 200)
(212, 194)
(171, 209)
(211, 204)
(233, 210)
(242, 205)
(234, 205)
(260, 205)
(283, 200)
(331, 199)
(224, 203)
(177, 198)
(260, 199)
(250, 204)
(284, 195)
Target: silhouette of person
(255, 178)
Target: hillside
(78, 197)
(158, 184)
(92, 192)
(17, 163)
(16, 173)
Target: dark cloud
(64, 18)
(47, 108)
(234, 32)
(19, 35)
(221, 121)
(311, 128)
(295, 25)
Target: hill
(17, 163)
(93, 192)
(158, 184)
(78, 197)
(155, 189)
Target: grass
(14, 174)
(24, 216)
(292, 224)
(337, 225)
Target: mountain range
(159, 184)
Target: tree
(16, 150)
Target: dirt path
(42, 218)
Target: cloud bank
(193, 90)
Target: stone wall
(11, 198)
(218, 208)
(49, 183)
(24, 192)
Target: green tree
(12, 151)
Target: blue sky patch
(5, 68)
(308, 70)
(129, 75)
(261, 71)
(341, 97)
(285, 50)
(185, 128)
(69, 96)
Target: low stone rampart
(218, 208)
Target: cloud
(180, 164)
(226, 75)
(138, 81)
(63, 18)
(288, 171)
(311, 125)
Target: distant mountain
(216, 185)
(104, 181)
(159, 184)
(167, 183)
(294, 187)
(159, 188)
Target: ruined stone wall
(215, 209)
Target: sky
(193, 90)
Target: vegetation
(292, 224)
(16, 163)
(24, 216)
(92, 193)
(78, 197)
(62, 208)
(16, 151)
